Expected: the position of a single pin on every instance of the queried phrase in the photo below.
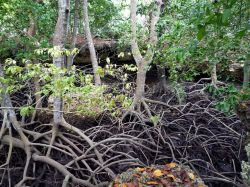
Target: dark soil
(194, 134)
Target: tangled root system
(194, 134)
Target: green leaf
(26, 111)
(155, 119)
(100, 71)
(226, 15)
(201, 33)
(241, 33)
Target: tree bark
(246, 74)
(59, 41)
(74, 34)
(75, 26)
(142, 62)
(214, 74)
(90, 43)
(161, 73)
(32, 26)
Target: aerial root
(194, 133)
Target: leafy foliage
(193, 35)
(231, 97)
(80, 95)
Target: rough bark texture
(142, 62)
(59, 41)
(90, 43)
(246, 74)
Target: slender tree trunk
(161, 72)
(59, 41)
(31, 33)
(246, 74)
(142, 62)
(74, 34)
(90, 43)
(32, 26)
(214, 74)
(140, 85)
(75, 26)
(68, 26)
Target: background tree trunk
(90, 43)
(161, 69)
(31, 33)
(214, 74)
(59, 41)
(246, 74)
(161, 73)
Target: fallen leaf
(191, 176)
(172, 165)
(201, 185)
(130, 184)
(152, 182)
(124, 185)
(172, 177)
(140, 169)
(157, 173)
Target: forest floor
(193, 133)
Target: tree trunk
(74, 34)
(32, 26)
(161, 70)
(11, 115)
(140, 86)
(59, 41)
(142, 62)
(246, 74)
(31, 33)
(90, 43)
(214, 74)
(75, 26)
(161, 73)
(37, 92)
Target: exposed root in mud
(194, 133)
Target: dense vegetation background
(157, 89)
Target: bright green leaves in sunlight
(56, 51)
(26, 111)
